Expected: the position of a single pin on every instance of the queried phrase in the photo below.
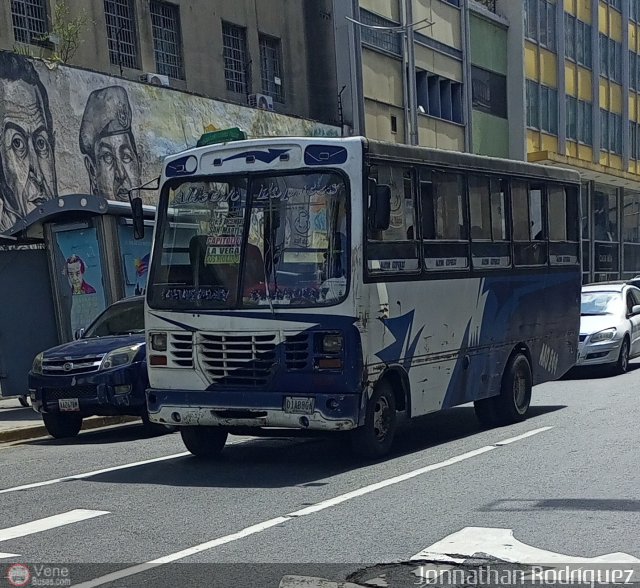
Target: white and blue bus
(349, 285)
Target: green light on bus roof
(224, 136)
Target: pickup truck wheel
(62, 426)
(204, 442)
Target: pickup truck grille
(52, 394)
(72, 367)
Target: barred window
(121, 33)
(234, 40)
(167, 39)
(385, 40)
(29, 20)
(271, 67)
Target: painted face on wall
(116, 169)
(27, 163)
(75, 275)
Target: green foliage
(67, 32)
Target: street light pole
(411, 65)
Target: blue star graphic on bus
(268, 156)
(403, 348)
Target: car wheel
(62, 426)
(204, 442)
(622, 365)
(375, 438)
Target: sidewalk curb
(33, 432)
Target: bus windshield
(228, 242)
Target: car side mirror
(380, 211)
(635, 309)
(78, 334)
(138, 218)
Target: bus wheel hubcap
(381, 418)
(520, 391)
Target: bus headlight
(605, 335)
(36, 368)
(332, 343)
(120, 357)
(158, 341)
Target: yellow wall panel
(616, 98)
(604, 94)
(382, 78)
(549, 143)
(584, 84)
(603, 16)
(570, 77)
(632, 36)
(548, 68)
(572, 149)
(632, 166)
(570, 6)
(615, 25)
(585, 153)
(615, 161)
(583, 10)
(533, 141)
(531, 61)
(383, 7)
(633, 115)
(604, 158)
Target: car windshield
(277, 240)
(118, 319)
(600, 303)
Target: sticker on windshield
(222, 250)
(215, 294)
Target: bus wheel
(204, 442)
(62, 426)
(513, 402)
(375, 437)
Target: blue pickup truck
(103, 372)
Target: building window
(572, 118)
(542, 107)
(29, 20)
(610, 59)
(439, 97)
(617, 4)
(121, 33)
(634, 140)
(633, 69)
(271, 67)
(167, 39)
(634, 10)
(540, 22)
(578, 40)
(579, 123)
(385, 40)
(610, 132)
(489, 92)
(234, 40)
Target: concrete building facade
(234, 51)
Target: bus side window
(444, 222)
(529, 233)
(563, 228)
(395, 249)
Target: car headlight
(36, 368)
(119, 357)
(605, 335)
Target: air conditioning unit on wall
(261, 101)
(155, 79)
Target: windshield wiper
(593, 313)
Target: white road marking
(6, 555)
(501, 544)
(523, 436)
(48, 523)
(258, 528)
(107, 470)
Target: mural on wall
(27, 154)
(65, 130)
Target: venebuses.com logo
(18, 575)
(21, 575)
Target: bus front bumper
(330, 412)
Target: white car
(609, 325)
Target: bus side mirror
(78, 334)
(380, 212)
(138, 218)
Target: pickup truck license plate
(68, 404)
(299, 405)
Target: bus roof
(470, 162)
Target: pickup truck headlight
(605, 335)
(36, 368)
(120, 357)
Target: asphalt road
(566, 481)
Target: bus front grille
(238, 360)
(181, 350)
(296, 351)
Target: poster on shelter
(135, 260)
(83, 270)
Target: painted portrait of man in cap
(108, 145)
(27, 158)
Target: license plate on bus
(299, 405)
(68, 404)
